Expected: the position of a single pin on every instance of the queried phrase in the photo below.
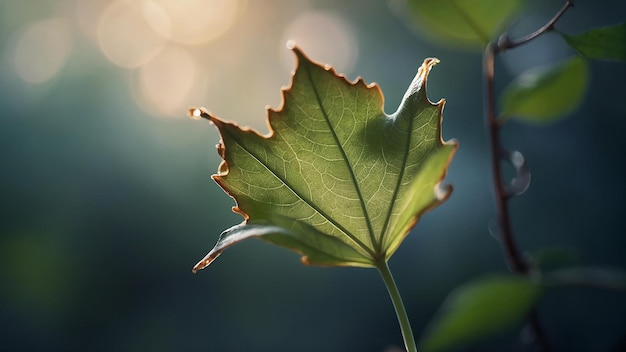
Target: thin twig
(534, 323)
(513, 255)
(505, 43)
(516, 261)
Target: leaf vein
(307, 201)
(347, 161)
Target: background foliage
(107, 201)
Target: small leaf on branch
(336, 179)
(479, 309)
(608, 278)
(544, 95)
(548, 257)
(606, 43)
(462, 23)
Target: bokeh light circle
(194, 21)
(125, 36)
(169, 83)
(325, 37)
(42, 50)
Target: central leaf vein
(307, 201)
(396, 191)
(348, 164)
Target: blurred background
(107, 202)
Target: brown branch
(505, 43)
(513, 255)
(517, 262)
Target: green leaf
(315, 246)
(469, 23)
(479, 309)
(607, 278)
(543, 95)
(336, 179)
(546, 257)
(607, 43)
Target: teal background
(105, 208)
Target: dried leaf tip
(198, 113)
(424, 70)
(195, 113)
(418, 84)
(206, 261)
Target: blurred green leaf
(462, 23)
(607, 278)
(41, 270)
(606, 43)
(544, 95)
(555, 257)
(337, 179)
(479, 309)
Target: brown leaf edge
(442, 190)
(201, 112)
(197, 113)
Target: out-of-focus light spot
(88, 14)
(42, 50)
(324, 37)
(125, 36)
(194, 21)
(169, 83)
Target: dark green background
(105, 209)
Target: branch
(505, 43)
(516, 261)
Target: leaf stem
(403, 319)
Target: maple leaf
(336, 179)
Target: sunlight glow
(87, 14)
(194, 21)
(169, 83)
(325, 36)
(125, 36)
(42, 50)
